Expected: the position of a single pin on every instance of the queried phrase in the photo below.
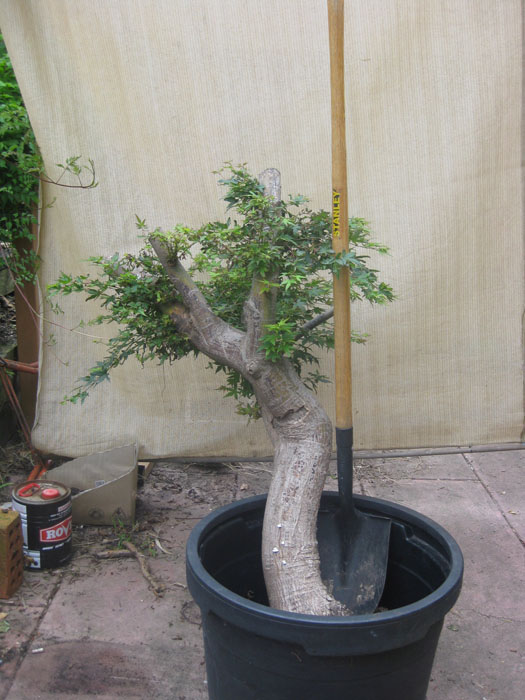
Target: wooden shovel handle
(342, 327)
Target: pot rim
(443, 597)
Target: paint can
(45, 510)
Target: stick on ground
(132, 552)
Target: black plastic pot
(254, 652)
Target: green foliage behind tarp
(20, 166)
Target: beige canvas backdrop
(160, 93)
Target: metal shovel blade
(354, 555)
(353, 546)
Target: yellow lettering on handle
(336, 231)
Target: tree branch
(209, 334)
(314, 322)
(258, 312)
(182, 280)
(270, 179)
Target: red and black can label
(57, 533)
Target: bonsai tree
(260, 314)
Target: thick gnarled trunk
(302, 437)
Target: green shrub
(20, 167)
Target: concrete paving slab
(503, 474)
(478, 657)
(23, 613)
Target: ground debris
(114, 554)
(157, 587)
(131, 552)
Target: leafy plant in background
(253, 295)
(21, 170)
(20, 167)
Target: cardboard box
(104, 485)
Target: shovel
(353, 546)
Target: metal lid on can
(39, 491)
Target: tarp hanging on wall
(161, 93)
